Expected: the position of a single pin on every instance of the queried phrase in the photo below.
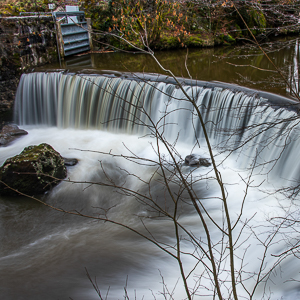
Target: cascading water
(122, 117)
(233, 119)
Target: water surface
(242, 65)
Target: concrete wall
(25, 42)
(30, 40)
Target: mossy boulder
(254, 18)
(195, 41)
(32, 172)
(258, 18)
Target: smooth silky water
(45, 254)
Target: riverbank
(161, 25)
(164, 24)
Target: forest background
(168, 24)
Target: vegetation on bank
(168, 24)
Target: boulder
(70, 161)
(31, 172)
(9, 133)
(195, 160)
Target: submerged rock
(70, 161)
(195, 160)
(31, 171)
(9, 133)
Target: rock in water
(29, 171)
(9, 133)
(194, 160)
(70, 161)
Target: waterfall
(110, 124)
(238, 121)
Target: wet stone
(70, 161)
(194, 160)
(9, 133)
(32, 172)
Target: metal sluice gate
(74, 32)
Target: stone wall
(25, 42)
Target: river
(110, 125)
(242, 65)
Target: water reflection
(243, 65)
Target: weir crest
(254, 127)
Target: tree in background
(173, 24)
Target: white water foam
(264, 138)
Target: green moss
(259, 18)
(32, 170)
(229, 39)
(168, 41)
(255, 19)
(194, 41)
(34, 154)
(238, 31)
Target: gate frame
(65, 30)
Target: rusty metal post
(59, 39)
(88, 21)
